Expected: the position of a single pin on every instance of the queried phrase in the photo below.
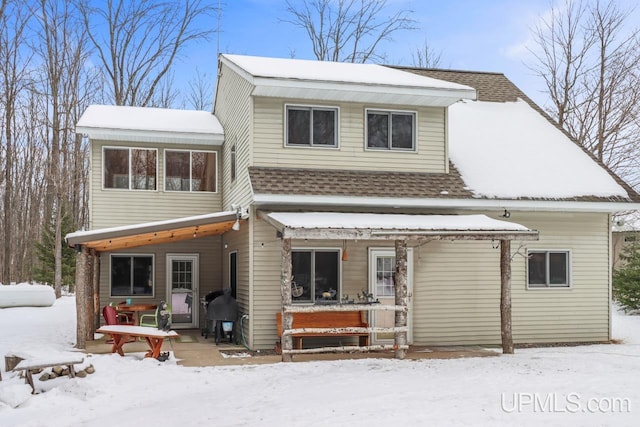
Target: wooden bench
(31, 366)
(326, 319)
(121, 333)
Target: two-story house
(340, 161)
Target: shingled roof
(490, 87)
(496, 87)
(323, 182)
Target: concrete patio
(192, 349)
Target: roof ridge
(451, 70)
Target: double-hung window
(316, 273)
(131, 275)
(190, 170)
(130, 168)
(548, 269)
(391, 130)
(311, 126)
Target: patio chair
(110, 315)
(151, 320)
(126, 317)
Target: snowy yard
(587, 385)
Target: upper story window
(548, 269)
(190, 170)
(311, 126)
(391, 130)
(130, 168)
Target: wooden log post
(505, 297)
(82, 282)
(96, 289)
(400, 283)
(285, 291)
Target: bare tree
(200, 95)
(590, 62)
(63, 52)
(426, 57)
(347, 30)
(14, 77)
(143, 38)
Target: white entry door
(182, 286)
(382, 266)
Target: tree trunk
(505, 296)
(96, 288)
(400, 283)
(57, 276)
(285, 290)
(82, 283)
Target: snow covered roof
(171, 230)
(504, 153)
(371, 226)
(146, 124)
(339, 81)
(508, 150)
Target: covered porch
(402, 230)
(91, 244)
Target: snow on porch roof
(151, 233)
(328, 225)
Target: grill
(222, 314)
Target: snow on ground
(559, 386)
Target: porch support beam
(95, 264)
(505, 297)
(83, 282)
(400, 279)
(285, 291)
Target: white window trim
(164, 181)
(129, 148)
(386, 150)
(153, 263)
(305, 146)
(569, 285)
(323, 249)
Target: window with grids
(189, 170)
(312, 126)
(548, 269)
(391, 130)
(130, 168)
(317, 271)
(131, 275)
(385, 273)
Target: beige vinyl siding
(457, 287)
(111, 207)
(233, 110)
(210, 269)
(238, 241)
(269, 149)
(456, 297)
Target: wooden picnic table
(121, 333)
(136, 309)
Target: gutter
(261, 200)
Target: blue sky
(480, 35)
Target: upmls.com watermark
(557, 402)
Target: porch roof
(367, 226)
(152, 233)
